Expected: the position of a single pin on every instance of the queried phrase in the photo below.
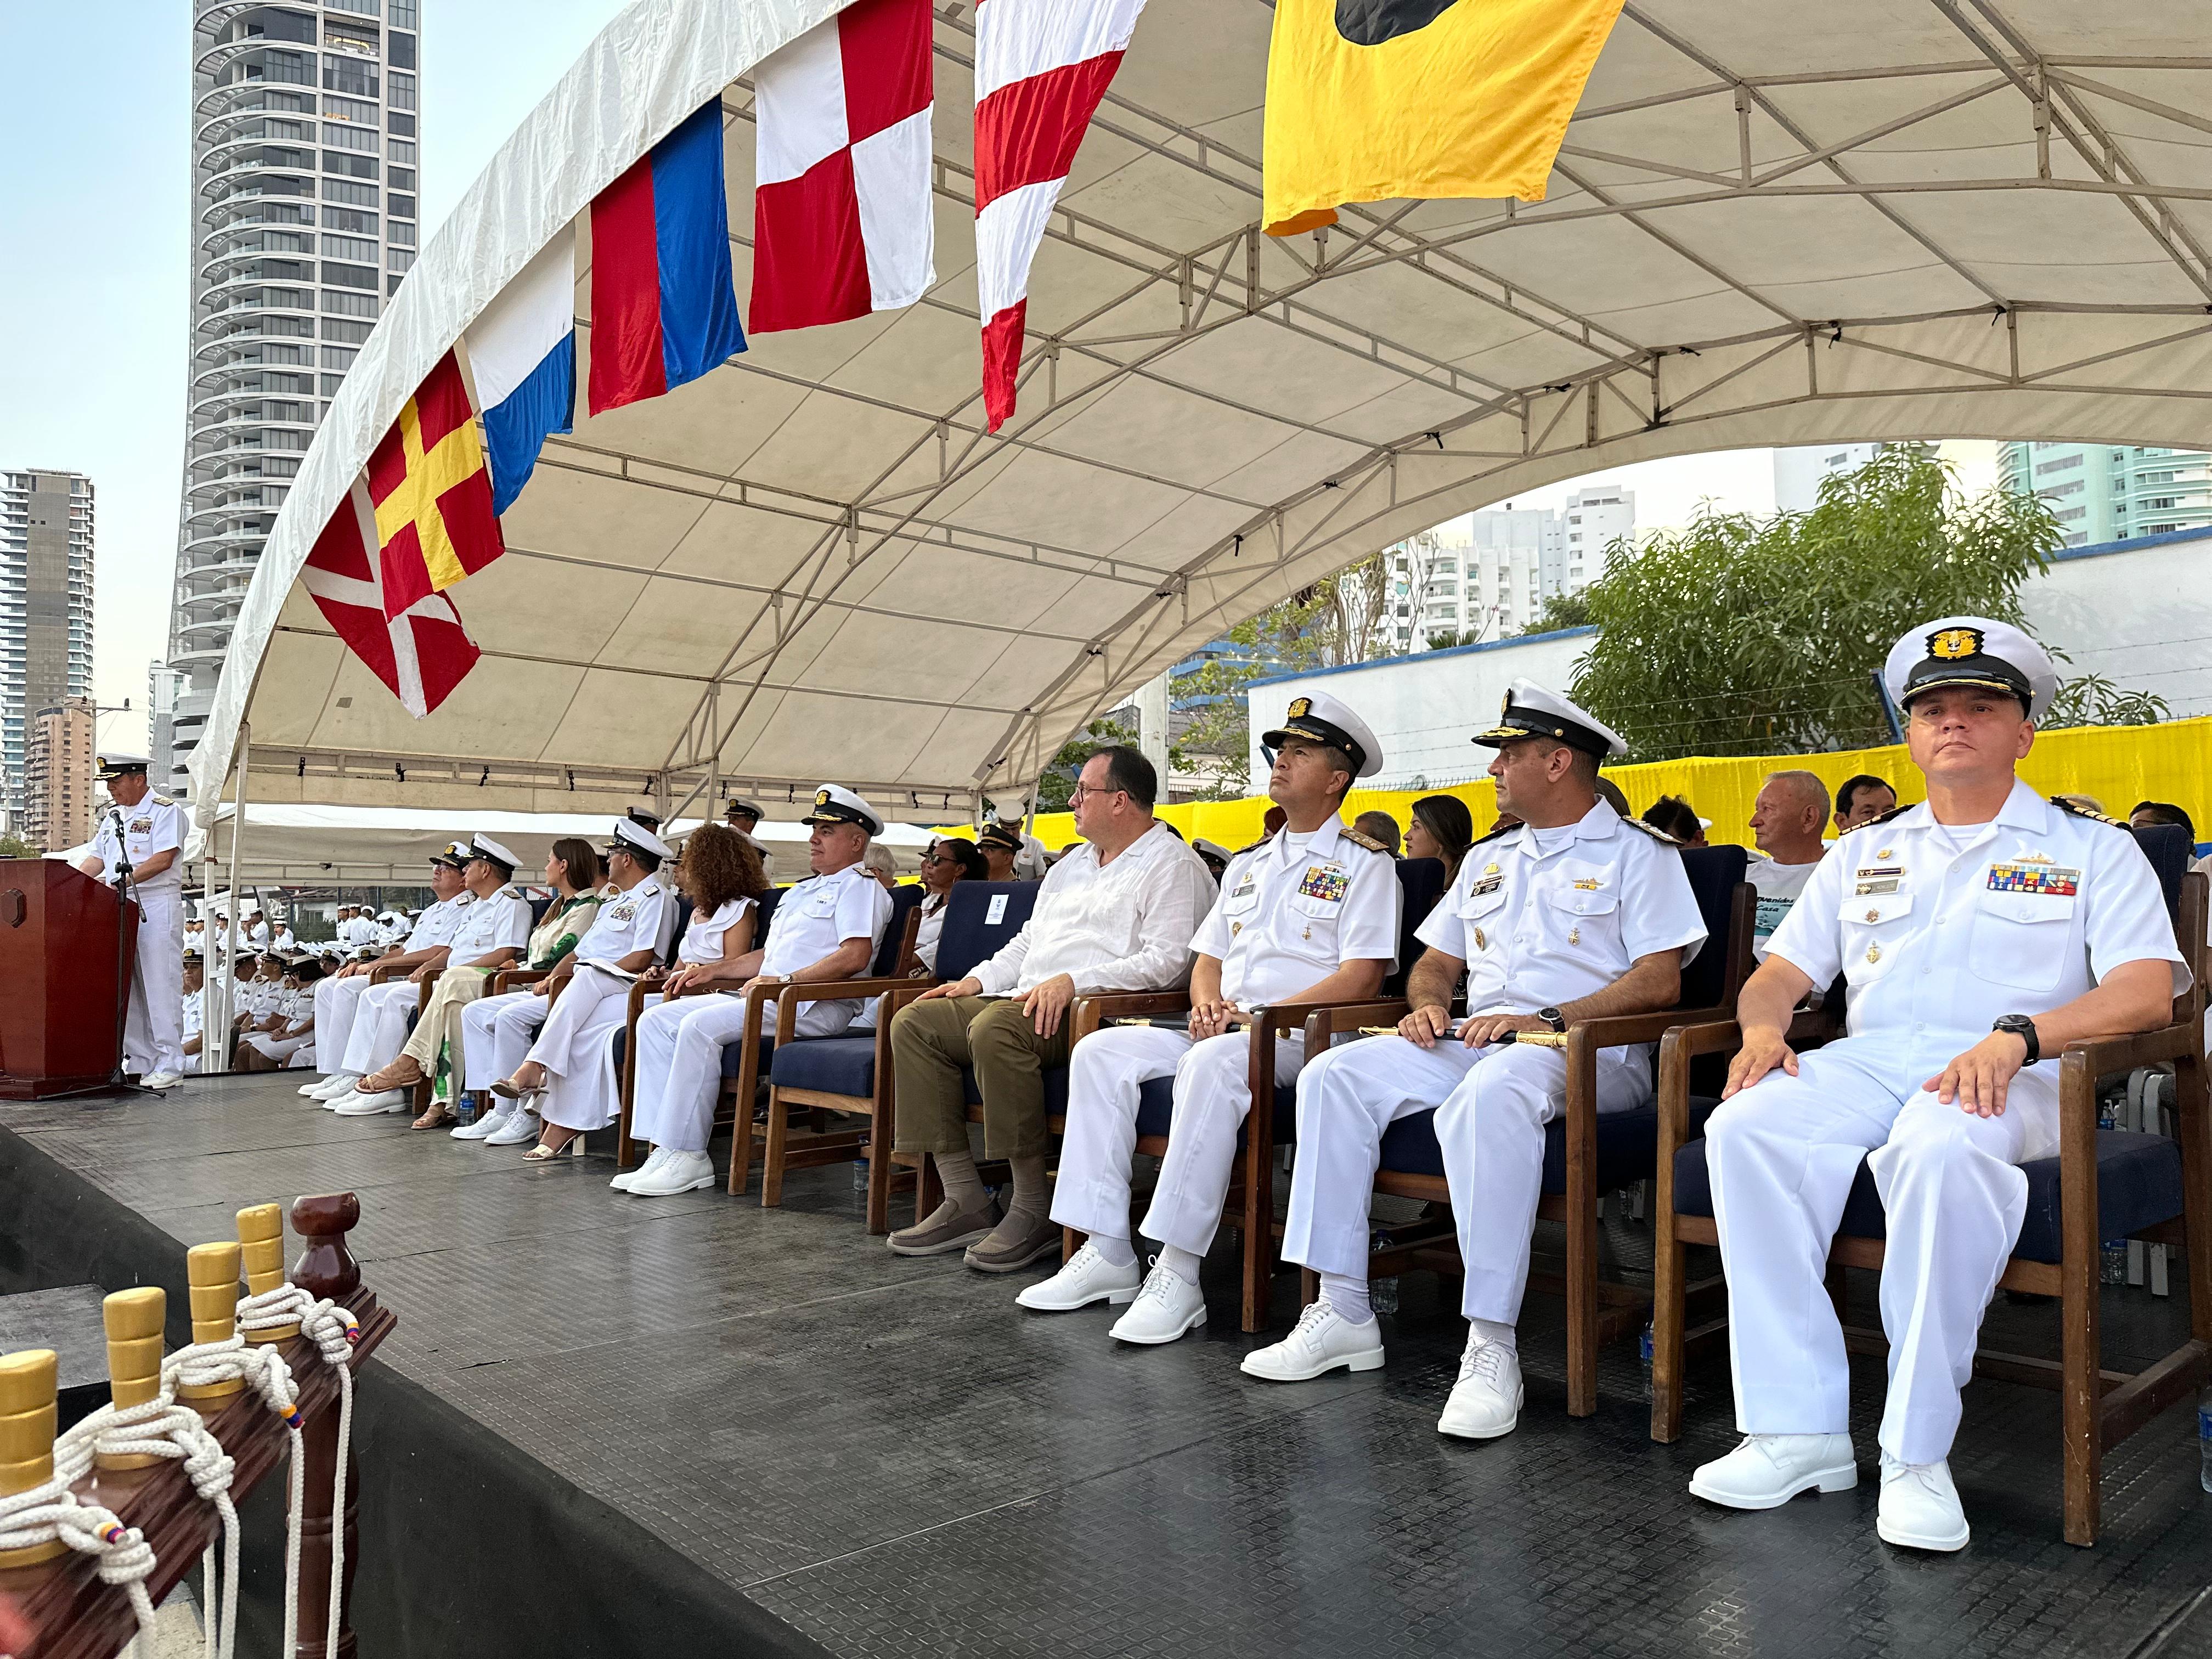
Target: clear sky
(95, 233)
(94, 237)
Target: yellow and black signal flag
(1372, 100)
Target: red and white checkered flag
(420, 654)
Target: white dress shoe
(1485, 1402)
(360, 1105)
(679, 1172)
(629, 1178)
(520, 1128)
(487, 1124)
(1324, 1339)
(1767, 1470)
(313, 1086)
(1920, 1507)
(1169, 1306)
(161, 1080)
(332, 1103)
(339, 1082)
(1086, 1278)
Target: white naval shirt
(703, 934)
(435, 927)
(500, 922)
(640, 920)
(154, 825)
(2029, 912)
(820, 913)
(1126, 925)
(1295, 908)
(1538, 929)
(192, 1014)
(1777, 886)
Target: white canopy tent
(1771, 223)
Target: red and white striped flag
(421, 654)
(1040, 68)
(842, 215)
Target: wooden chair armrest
(788, 997)
(1093, 1009)
(1333, 1019)
(1617, 1031)
(381, 973)
(514, 979)
(2105, 1055)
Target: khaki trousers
(932, 1041)
(439, 1023)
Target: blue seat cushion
(1155, 1109)
(733, 1055)
(1627, 1148)
(829, 1065)
(2138, 1186)
(1055, 1090)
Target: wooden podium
(58, 962)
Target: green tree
(1560, 610)
(1739, 636)
(2092, 700)
(13, 845)
(1059, 780)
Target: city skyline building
(57, 773)
(1485, 575)
(2112, 492)
(47, 526)
(305, 186)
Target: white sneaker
(1767, 1470)
(679, 1172)
(1920, 1507)
(1086, 1278)
(158, 1081)
(1485, 1402)
(628, 1178)
(360, 1105)
(487, 1123)
(521, 1126)
(1324, 1339)
(1169, 1306)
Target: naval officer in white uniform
(338, 1000)
(825, 928)
(1308, 914)
(1574, 914)
(147, 831)
(1981, 932)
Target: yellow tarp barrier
(2119, 765)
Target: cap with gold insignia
(484, 847)
(1530, 711)
(835, 804)
(455, 856)
(1000, 834)
(631, 835)
(1973, 652)
(1321, 719)
(644, 816)
(117, 766)
(740, 808)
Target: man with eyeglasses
(1116, 915)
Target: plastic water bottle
(2114, 1267)
(2204, 1438)
(1381, 1293)
(1643, 1345)
(465, 1108)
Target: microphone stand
(125, 956)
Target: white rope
(52, 1512)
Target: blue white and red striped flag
(663, 304)
(522, 352)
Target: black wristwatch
(1553, 1017)
(2023, 1027)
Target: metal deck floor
(893, 1459)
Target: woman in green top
(572, 871)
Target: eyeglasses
(1081, 789)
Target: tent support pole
(237, 919)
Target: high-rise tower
(45, 613)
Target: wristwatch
(1553, 1017)
(2023, 1027)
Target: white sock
(1182, 1263)
(1490, 1330)
(1348, 1297)
(1116, 1252)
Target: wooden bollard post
(261, 1234)
(326, 1269)
(211, 1274)
(28, 1382)
(133, 1319)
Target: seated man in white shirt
(1787, 817)
(195, 989)
(1118, 914)
(338, 999)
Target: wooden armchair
(2103, 1184)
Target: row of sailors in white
(257, 934)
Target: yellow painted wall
(2119, 765)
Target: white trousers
(583, 1089)
(1492, 1103)
(379, 1024)
(1783, 1155)
(154, 1023)
(337, 1001)
(1212, 1096)
(277, 1048)
(497, 1033)
(679, 1068)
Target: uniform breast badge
(1874, 953)
(1575, 934)
(1481, 942)
(1325, 883)
(1587, 884)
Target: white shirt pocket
(1874, 932)
(2020, 939)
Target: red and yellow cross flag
(432, 491)
(1371, 100)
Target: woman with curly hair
(718, 870)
